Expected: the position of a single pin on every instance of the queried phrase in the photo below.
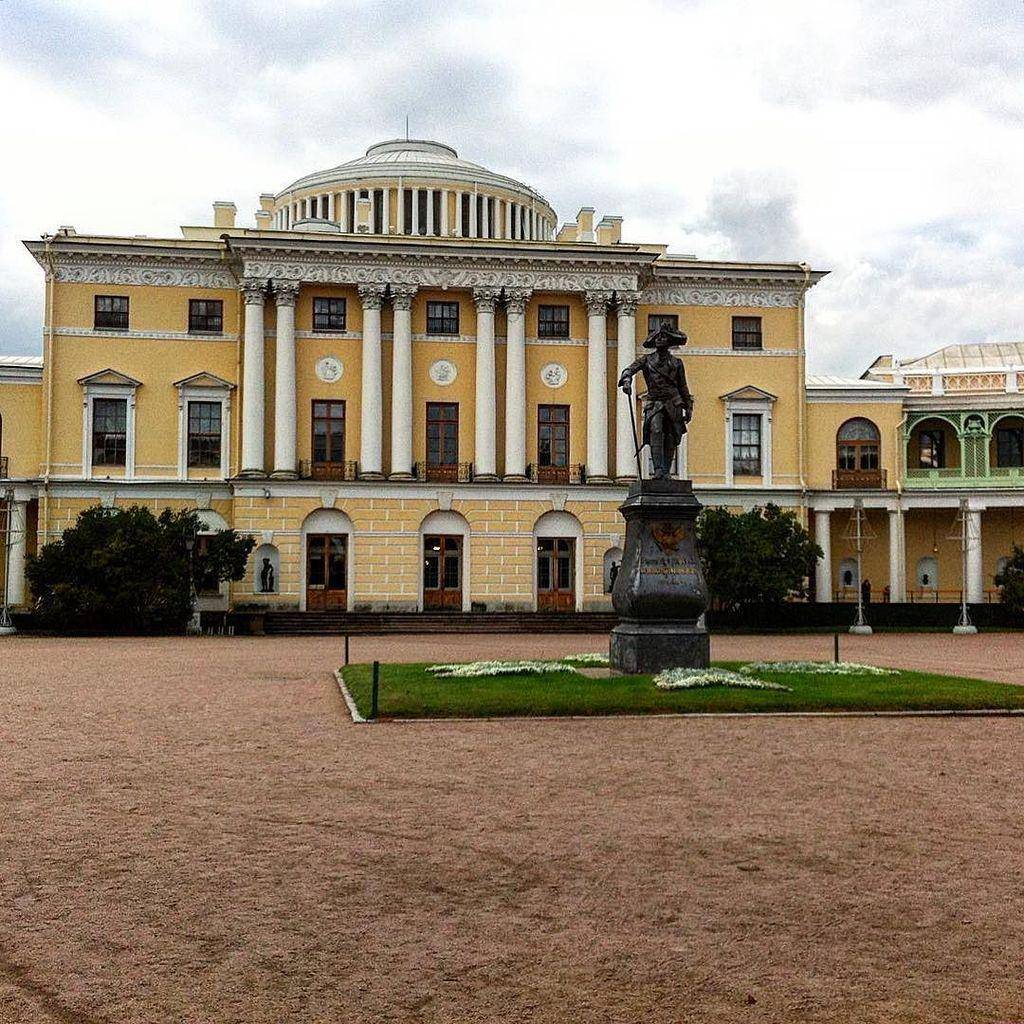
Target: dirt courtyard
(193, 831)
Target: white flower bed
(824, 668)
(695, 678)
(477, 669)
(589, 658)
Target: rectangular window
(204, 435)
(656, 320)
(328, 314)
(746, 332)
(110, 313)
(442, 318)
(553, 435)
(328, 433)
(932, 446)
(109, 431)
(205, 316)
(442, 434)
(553, 322)
(746, 444)
(1010, 446)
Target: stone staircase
(369, 623)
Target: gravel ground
(192, 831)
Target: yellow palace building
(401, 382)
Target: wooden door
(442, 441)
(442, 573)
(556, 574)
(326, 572)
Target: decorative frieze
(721, 292)
(141, 270)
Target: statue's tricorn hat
(665, 337)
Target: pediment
(109, 376)
(748, 393)
(204, 379)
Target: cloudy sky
(881, 140)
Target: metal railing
(917, 595)
(858, 479)
(538, 474)
(451, 473)
(311, 470)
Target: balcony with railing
(443, 473)
(965, 449)
(312, 470)
(538, 474)
(859, 479)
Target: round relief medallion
(554, 375)
(443, 372)
(329, 369)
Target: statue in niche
(267, 577)
(668, 404)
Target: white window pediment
(205, 381)
(108, 383)
(109, 378)
(204, 387)
(749, 393)
(749, 400)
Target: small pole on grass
(375, 689)
(835, 647)
(346, 648)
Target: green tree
(129, 571)
(1011, 582)
(759, 557)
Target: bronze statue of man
(668, 404)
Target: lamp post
(860, 626)
(6, 625)
(962, 532)
(194, 627)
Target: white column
(897, 557)
(485, 218)
(519, 221)
(459, 199)
(385, 206)
(401, 383)
(975, 573)
(484, 461)
(285, 412)
(444, 213)
(414, 223)
(507, 233)
(343, 212)
(18, 525)
(515, 384)
(332, 206)
(253, 291)
(400, 211)
(472, 197)
(597, 385)
(371, 410)
(625, 457)
(430, 211)
(823, 537)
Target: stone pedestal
(659, 592)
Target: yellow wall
(20, 427)
(823, 422)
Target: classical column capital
(402, 295)
(486, 299)
(372, 295)
(286, 292)
(516, 299)
(254, 290)
(597, 302)
(627, 302)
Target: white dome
(415, 159)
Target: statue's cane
(628, 391)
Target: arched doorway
(558, 565)
(212, 595)
(444, 574)
(326, 561)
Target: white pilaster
(823, 537)
(17, 526)
(597, 385)
(625, 457)
(253, 291)
(401, 383)
(897, 557)
(285, 412)
(515, 384)
(975, 573)
(371, 412)
(485, 461)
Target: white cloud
(880, 140)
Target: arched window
(857, 446)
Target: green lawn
(409, 691)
